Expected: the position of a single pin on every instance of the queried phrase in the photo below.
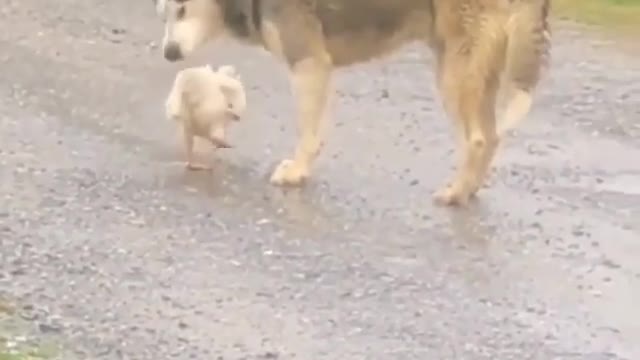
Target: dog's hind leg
(469, 82)
(526, 58)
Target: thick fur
(205, 102)
(488, 52)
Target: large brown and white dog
(484, 49)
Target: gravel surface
(109, 247)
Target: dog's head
(189, 24)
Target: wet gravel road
(118, 253)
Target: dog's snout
(172, 52)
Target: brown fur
(486, 51)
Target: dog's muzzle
(172, 52)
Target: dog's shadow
(246, 189)
(468, 225)
(480, 246)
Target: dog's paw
(288, 173)
(452, 195)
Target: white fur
(161, 6)
(205, 101)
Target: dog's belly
(352, 49)
(358, 30)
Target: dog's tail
(526, 57)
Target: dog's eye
(181, 12)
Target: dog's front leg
(310, 80)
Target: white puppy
(205, 102)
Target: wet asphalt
(117, 252)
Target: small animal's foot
(289, 173)
(197, 167)
(220, 143)
(454, 194)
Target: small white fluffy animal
(205, 101)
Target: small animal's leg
(218, 139)
(469, 85)
(188, 148)
(220, 143)
(310, 81)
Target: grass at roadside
(613, 14)
(18, 356)
(14, 343)
(23, 355)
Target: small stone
(49, 328)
